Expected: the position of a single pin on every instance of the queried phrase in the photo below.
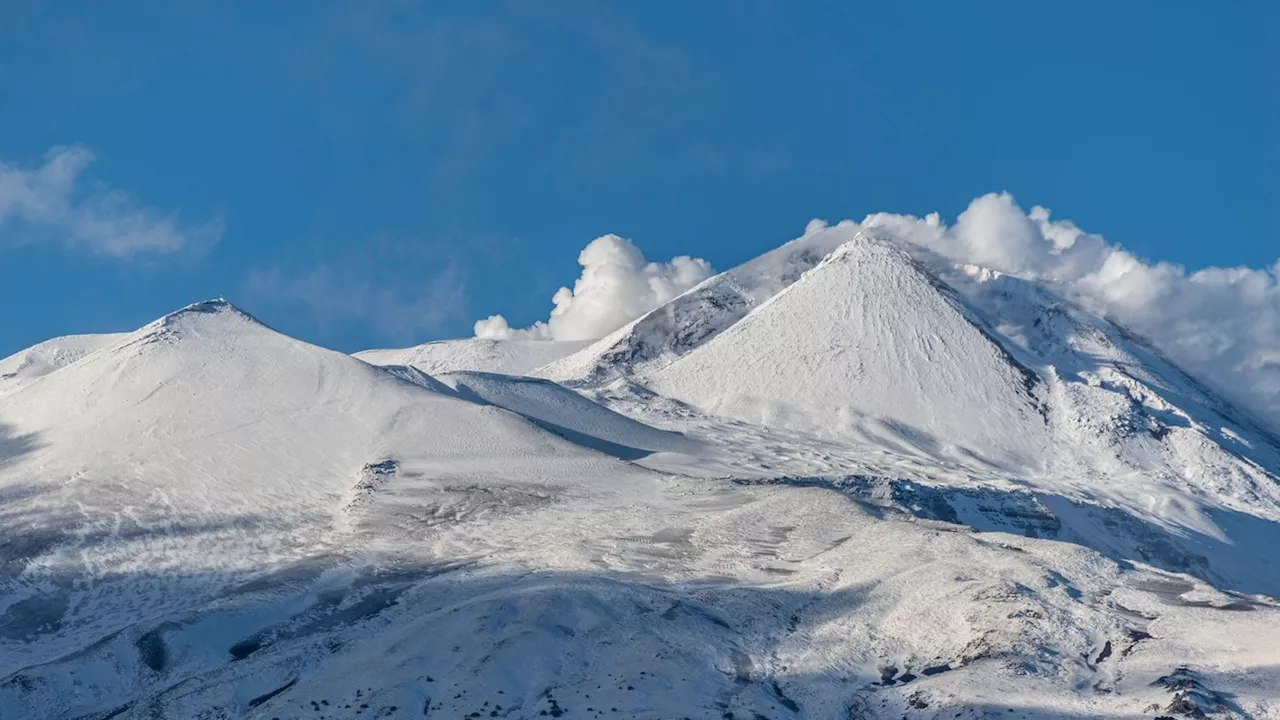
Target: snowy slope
(1120, 404)
(1065, 344)
(511, 357)
(867, 343)
(696, 600)
(34, 362)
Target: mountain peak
(204, 315)
(210, 307)
(698, 315)
(217, 304)
(866, 343)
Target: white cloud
(356, 291)
(616, 286)
(1221, 324)
(49, 202)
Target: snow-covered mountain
(846, 479)
(866, 343)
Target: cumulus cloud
(616, 286)
(49, 201)
(1221, 324)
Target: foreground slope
(695, 599)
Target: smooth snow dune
(867, 343)
(567, 413)
(39, 360)
(510, 357)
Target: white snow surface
(507, 356)
(847, 479)
(23, 367)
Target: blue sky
(365, 174)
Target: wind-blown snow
(617, 285)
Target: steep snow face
(867, 344)
(699, 314)
(35, 362)
(509, 357)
